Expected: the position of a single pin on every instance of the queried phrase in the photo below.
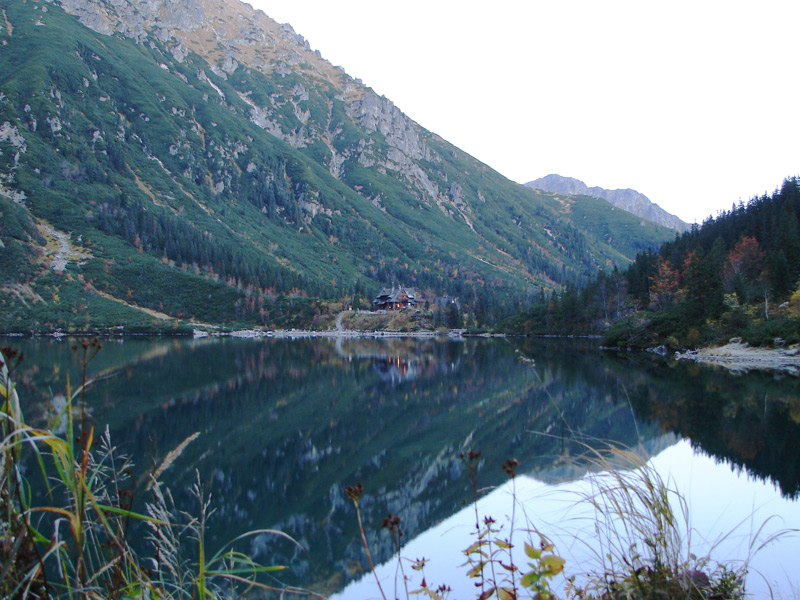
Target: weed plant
(76, 544)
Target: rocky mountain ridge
(627, 199)
(229, 35)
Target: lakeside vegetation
(737, 275)
(641, 522)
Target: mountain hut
(394, 299)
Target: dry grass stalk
(171, 457)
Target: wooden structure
(394, 299)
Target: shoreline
(260, 333)
(736, 356)
(335, 333)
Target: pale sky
(694, 104)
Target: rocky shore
(739, 356)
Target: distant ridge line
(627, 199)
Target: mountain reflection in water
(287, 424)
(726, 512)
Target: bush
(764, 332)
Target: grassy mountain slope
(148, 172)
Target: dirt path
(148, 311)
(64, 251)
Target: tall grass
(644, 538)
(75, 544)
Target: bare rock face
(137, 19)
(90, 15)
(225, 33)
(379, 114)
(184, 14)
(630, 200)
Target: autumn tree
(743, 272)
(663, 284)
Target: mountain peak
(627, 199)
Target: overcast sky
(694, 104)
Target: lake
(286, 424)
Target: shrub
(764, 332)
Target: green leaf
(476, 570)
(487, 594)
(553, 564)
(128, 513)
(268, 569)
(532, 552)
(529, 579)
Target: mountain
(193, 160)
(627, 199)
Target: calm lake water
(285, 425)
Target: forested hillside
(736, 275)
